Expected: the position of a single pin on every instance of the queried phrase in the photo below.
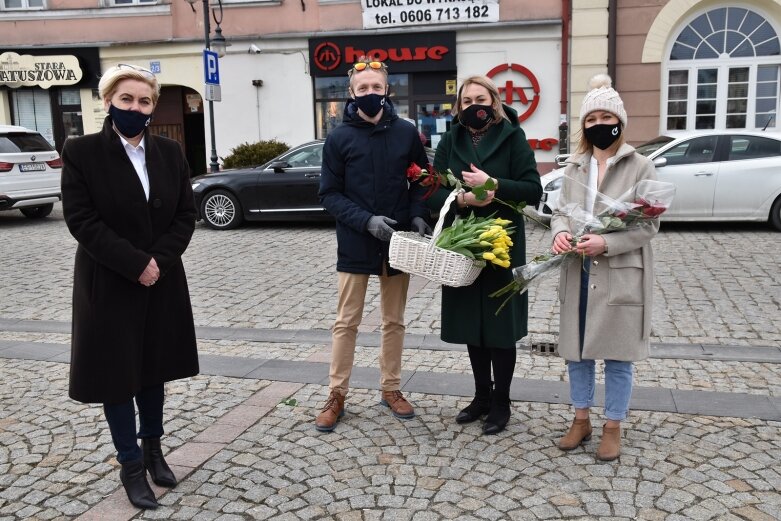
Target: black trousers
(502, 361)
(121, 419)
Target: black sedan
(284, 189)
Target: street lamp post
(219, 46)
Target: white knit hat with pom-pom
(602, 96)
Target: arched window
(723, 72)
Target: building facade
(682, 64)
(679, 64)
(284, 74)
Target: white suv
(29, 172)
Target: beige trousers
(393, 300)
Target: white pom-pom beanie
(602, 96)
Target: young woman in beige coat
(606, 299)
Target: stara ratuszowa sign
(38, 71)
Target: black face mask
(602, 136)
(129, 123)
(476, 116)
(370, 104)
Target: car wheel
(221, 210)
(37, 212)
(775, 214)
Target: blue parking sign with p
(211, 67)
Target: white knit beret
(602, 96)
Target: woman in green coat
(486, 142)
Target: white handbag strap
(442, 214)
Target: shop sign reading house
(38, 71)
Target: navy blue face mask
(129, 123)
(370, 104)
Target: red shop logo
(327, 56)
(513, 93)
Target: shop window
(22, 4)
(723, 72)
(332, 93)
(32, 109)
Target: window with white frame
(21, 4)
(723, 72)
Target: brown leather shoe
(399, 406)
(579, 431)
(610, 446)
(332, 411)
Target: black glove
(420, 225)
(380, 227)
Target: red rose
(413, 172)
(482, 114)
(653, 211)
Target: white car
(719, 175)
(30, 171)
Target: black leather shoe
(499, 414)
(473, 411)
(133, 478)
(155, 463)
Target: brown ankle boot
(332, 411)
(579, 431)
(398, 405)
(610, 446)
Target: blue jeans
(618, 386)
(121, 419)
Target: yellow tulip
(489, 256)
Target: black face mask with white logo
(602, 136)
(371, 104)
(129, 123)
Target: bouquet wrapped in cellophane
(644, 202)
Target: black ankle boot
(480, 406)
(499, 414)
(133, 478)
(155, 464)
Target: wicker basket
(411, 253)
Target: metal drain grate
(543, 348)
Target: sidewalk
(703, 440)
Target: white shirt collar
(126, 143)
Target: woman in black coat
(128, 201)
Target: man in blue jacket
(364, 186)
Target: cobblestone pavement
(714, 285)
(245, 448)
(56, 460)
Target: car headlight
(554, 185)
(196, 185)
